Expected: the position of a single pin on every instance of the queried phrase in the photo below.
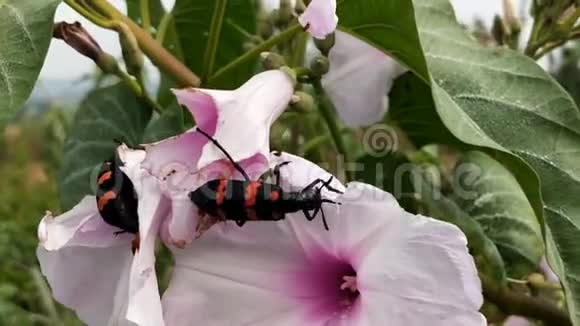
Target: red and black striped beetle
(117, 199)
(247, 200)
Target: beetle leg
(277, 171)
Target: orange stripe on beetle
(220, 193)
(252, 193)
(274, 196)
(106, 176)
(105, 198)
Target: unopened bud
(510, 17)
(299, 7)
(319, 66)
(498, 30)
(325, 44)
(78, 38)
(108, 64)
(303, 102)
(265, 26)
(284, 13)
(134, 59)
(271, 60)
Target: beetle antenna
(218, 145)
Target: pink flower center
(326, 287)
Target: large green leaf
(25, 33)
(387, 24)
(193, 19)
(104, 117)
(491, 195)
(499, 99)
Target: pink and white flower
(239, 120)
(359, 80)
(93, 270)
(319, 19)
(377, 265)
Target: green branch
(328, 114)
(513, 303)
(145, 16)
(155, 51)
(255, 52)
(213, 38)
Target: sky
(65, 64)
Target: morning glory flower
(91, 267)
(239, 120)
(359, 79)
(378, 264)
(319, 19)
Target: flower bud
(325, 44)
(271, 60)
(265, 26)
(303, 102)
(108, 64)
(134, 59)
(78, 38)
(299, 7)
(285, 13)
(319, 66)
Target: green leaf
(390, 172)
(491, 195)
(388, 25)
(193, 18)
(104, 117)
(25, 34)
(483, 250)
(411, 107)
(156, 11)
(499, 99)
(174, 120)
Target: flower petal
(246, 115)
(144, 303)
(83, 260)
(319, 18)
(81, 226)
(269, 263)
(359, 79)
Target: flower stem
(327, 111)
(514, 303)
(254, 52)
(145, 16)
(155, 51)
(213, 38)
(138, 87)
(91, 16)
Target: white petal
(246, 115)
(83, 260)
(262, 263)
(144, 306)
(81, 226)
(359, 79)
(319, 18)
(300, 172)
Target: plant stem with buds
(255, 52)
(327, 111)
(155, 51)
(514, 303)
